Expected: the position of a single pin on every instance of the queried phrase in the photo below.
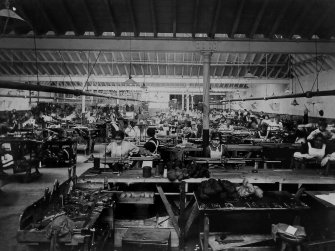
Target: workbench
(20, 154)
(59, 152)
(87, 223)
(271, 202)
(279, 177)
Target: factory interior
(167, 125)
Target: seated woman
(300, 135)
(215, 150)
(120, 148)
(152, 144)
(314, 150)
(263, 133)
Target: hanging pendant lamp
(294, 102)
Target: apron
(216, 153)
(315, 152)
(156, 145)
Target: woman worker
(215, 150)
(153, 143)
(120, 148)
(315, 149)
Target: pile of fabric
(224, 190)
(247, 189)
(213, 189)
(178, 170)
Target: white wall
(283, 106)
(10, 103)
(157, 100)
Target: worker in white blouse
(215, 150)
(120, 148)
(132, 130)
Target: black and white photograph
(167, 125)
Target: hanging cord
(296, 75)
(7, 19)
(91, 70)
(266, 73)
(290, 71)
(316, 65)
(64, 66)
(36, 65)
(316, 68)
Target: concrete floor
(15, 196)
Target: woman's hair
(151, 132)
(264, 126)
(119, 134)
(320, 135)
(216, 135)
(322, 122)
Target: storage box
(145, 239)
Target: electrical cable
(68, 71)
(91, 70)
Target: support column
(83, 105)
(182, 102)
(192, 102)
(187, 102)
(206, 87)
(118, 95)
(83, 98)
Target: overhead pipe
(296, 95)
(42, 88)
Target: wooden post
(206, 232)
(187, 102)
(206, 87)
(182, 217)
(83, 108)
(182, 102)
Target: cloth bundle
(217, 190)
(247, 189)
(178, 170)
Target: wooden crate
(242, 247)
(146, 239)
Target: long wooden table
(280, 177)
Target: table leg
(206, 232)
(182, 217)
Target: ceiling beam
(215, 19)
(273, 67)
(279, 18)
(320, 20)
(170, 45)
(47, 18)
(70, 17)
(90, 18)
(237, 18)
(258, 19)
(155, 79)
(117, 67)
(108, 4)
(127, 62)
(174, 18)
(132, 17)
(195, 18)
(153, 17)
(298, 21)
